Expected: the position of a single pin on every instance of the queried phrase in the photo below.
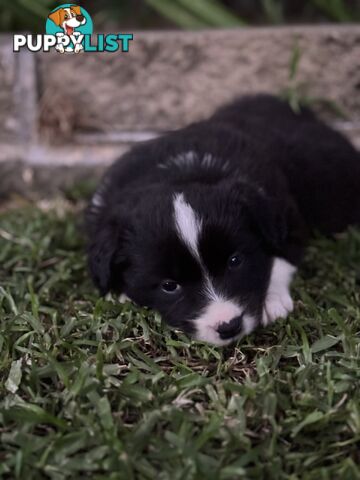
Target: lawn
(93, 389)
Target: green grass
(93, 389)
(30, 15)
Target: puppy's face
(201, 258)
(68, 18)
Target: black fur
(276, 175)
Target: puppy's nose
(230, 329)
(80, 18)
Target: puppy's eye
(170, 286)
(234, 261)
(66, 16)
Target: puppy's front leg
(78, 48)
(60, 48)
(278, 301)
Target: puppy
(208, 224)
(68, 19)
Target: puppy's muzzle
(230, 329)
(80, 18)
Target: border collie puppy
(207, 224)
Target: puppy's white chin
(210, 335)
(213, 338)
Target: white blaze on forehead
(219, 310)
(187, 223)
(210, 291)
(188, 226)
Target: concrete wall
(66, 116)
(8, 114)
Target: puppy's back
(321, 166)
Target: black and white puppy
(207, 224)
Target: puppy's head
(202, 256)
(68, 18)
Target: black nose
(80, 18)
(230, 329)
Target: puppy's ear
(265, 214)
(106, 258)
(56, 17)
(269, 218)
(76, 9)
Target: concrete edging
(97, 105)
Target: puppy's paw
(277, 305)
(78, 48)
(123, 298)
(60, 48)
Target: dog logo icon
(69, 23)
(69, 29)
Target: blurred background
(186, 14)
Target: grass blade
(177, 14)
(212, 12)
